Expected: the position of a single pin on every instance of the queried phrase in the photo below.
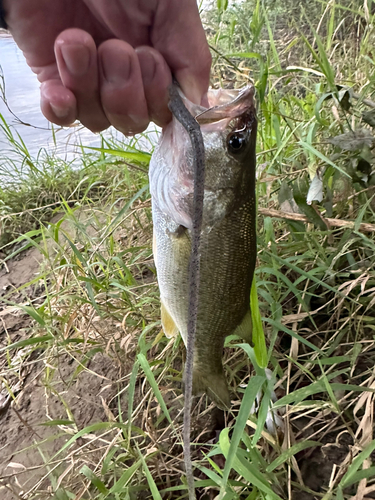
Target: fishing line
(181, 113)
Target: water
(24, 115)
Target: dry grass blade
(364, 227)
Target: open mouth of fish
(224, 105)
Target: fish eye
(236, 142)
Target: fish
(228, 233)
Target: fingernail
(148, 66)
(60, 112)
(116, 70)
(76, 57)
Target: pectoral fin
(245, 328)
(169, 327)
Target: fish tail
(214, 385)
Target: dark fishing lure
(181, 113)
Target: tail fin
(214, 385)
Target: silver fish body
(228, 238)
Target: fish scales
(228, 237)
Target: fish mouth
(227, 105)
(232, 109)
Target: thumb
(178, 34)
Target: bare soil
(29, 399)
(25, 444)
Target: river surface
(22, 113)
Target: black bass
(228, 239)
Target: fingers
(76, 57)
(58, 104)
(121, 87)
(113, 85)
(157, 78)
(134, 86)
(172, 27)
(121, 82)
(178, 34)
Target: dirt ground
(74, 397)
(25, 444)
(27, 400)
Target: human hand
(110, 62)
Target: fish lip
(236, 106)
(234, 103)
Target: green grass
(313, 68)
